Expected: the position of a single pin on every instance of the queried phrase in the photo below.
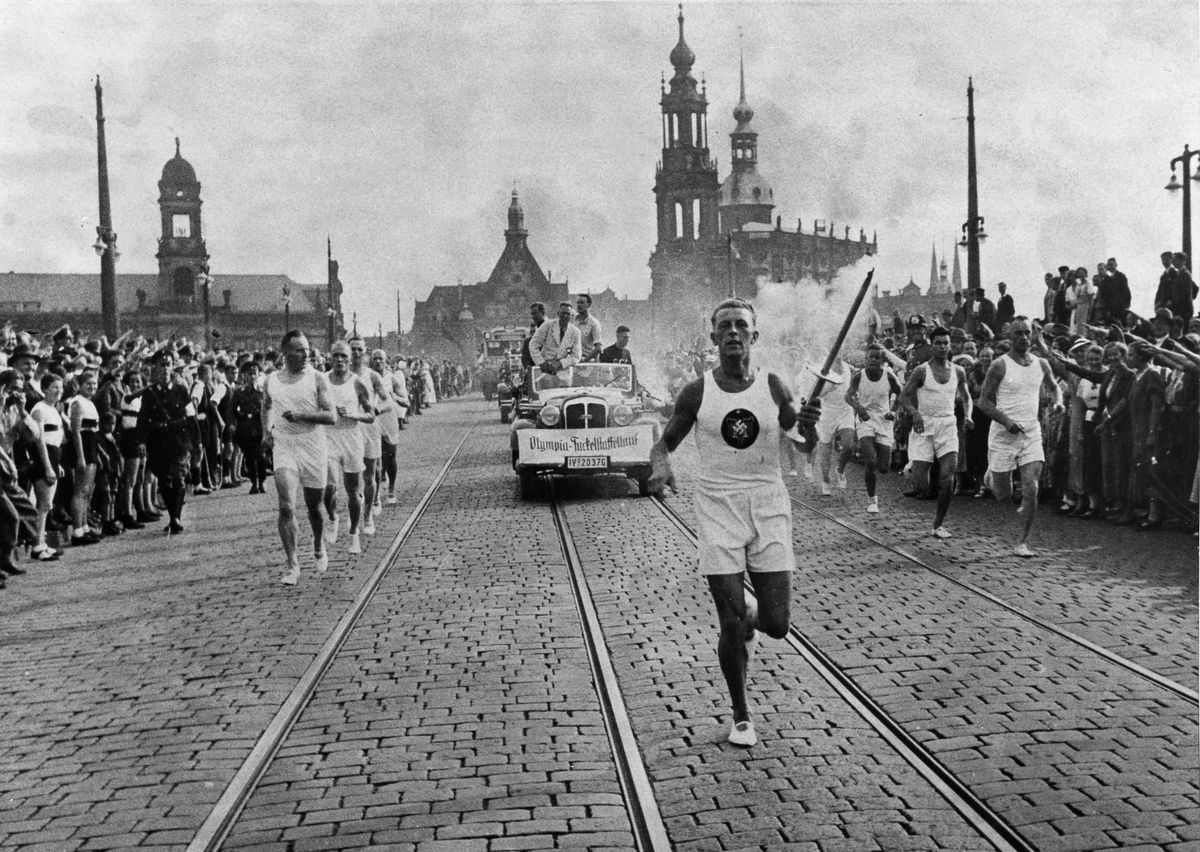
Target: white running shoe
(331, 529)
(322, 561)
(355, 545)
(825, 489)
(369, 526)
(941, 532)
(292, 576)
(376, 511)
(873, 505)
(808, 471)
(742, 734)
(841, 480)
(391, 500)
(1023, 551)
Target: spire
(956, 275)
(933, 270)
(742, 113)
(682, 56)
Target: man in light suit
(557, 344)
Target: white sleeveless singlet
(935, 399)
(875, 396)
(299, 397)
(51, 421)
(345, 396)
(737, 436)
(1019, 392)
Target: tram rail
(224, 815)
(1171, 686)
(989, 824)
(649, 832)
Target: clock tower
(182, 255)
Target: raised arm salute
(742, 508)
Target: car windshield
(586, 376)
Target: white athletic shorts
(747, 530)
(306, 453)
(372, 442)
(880, 430)
(346, 451)
(939, 438)
(1007, 452)
(828, 427)
(389, 426)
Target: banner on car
(620, 444)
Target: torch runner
(807, 436)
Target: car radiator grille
(584, 415)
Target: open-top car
(583, 420)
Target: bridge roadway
(461, 713)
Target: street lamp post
(972, 229)
(106, 238)
(1184, 160)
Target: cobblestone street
(461, 714)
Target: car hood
(612, 396)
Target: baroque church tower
(182, 254)
(745, 195)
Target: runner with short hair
(742, 507)
(1010, 395)
(372, 436)
(389, 423)
(871, 394)
(929, 397)
(352, 406)
(296, 410)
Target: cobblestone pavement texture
(461, 715)
(1073, 751)
(137, 673)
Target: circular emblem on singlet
(739, 428)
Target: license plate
(587, 462)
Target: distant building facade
(937, 297)
(245, 311)
(717, 238)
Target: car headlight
(550, 415)
(622, 415)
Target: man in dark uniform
(618, 353)
(168, 421)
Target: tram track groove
(649, 831)
(225, 813)
(989, 824)
(1176, 689)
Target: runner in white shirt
(372, 436)
(296, 410)
(835, 428)
(742, 508)
(389, 423)
(352, 405)
(929, 396)
(870, 394)
(1010, 395)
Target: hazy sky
(400, 129)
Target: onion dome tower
(686, 184)
(181, 254)
(745, 195)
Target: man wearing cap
(166, 418)
(618, 353)
(918, 349)
(25, 359)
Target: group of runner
(327, 430)
(742, 506)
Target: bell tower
(182, 255)
(686, 184)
